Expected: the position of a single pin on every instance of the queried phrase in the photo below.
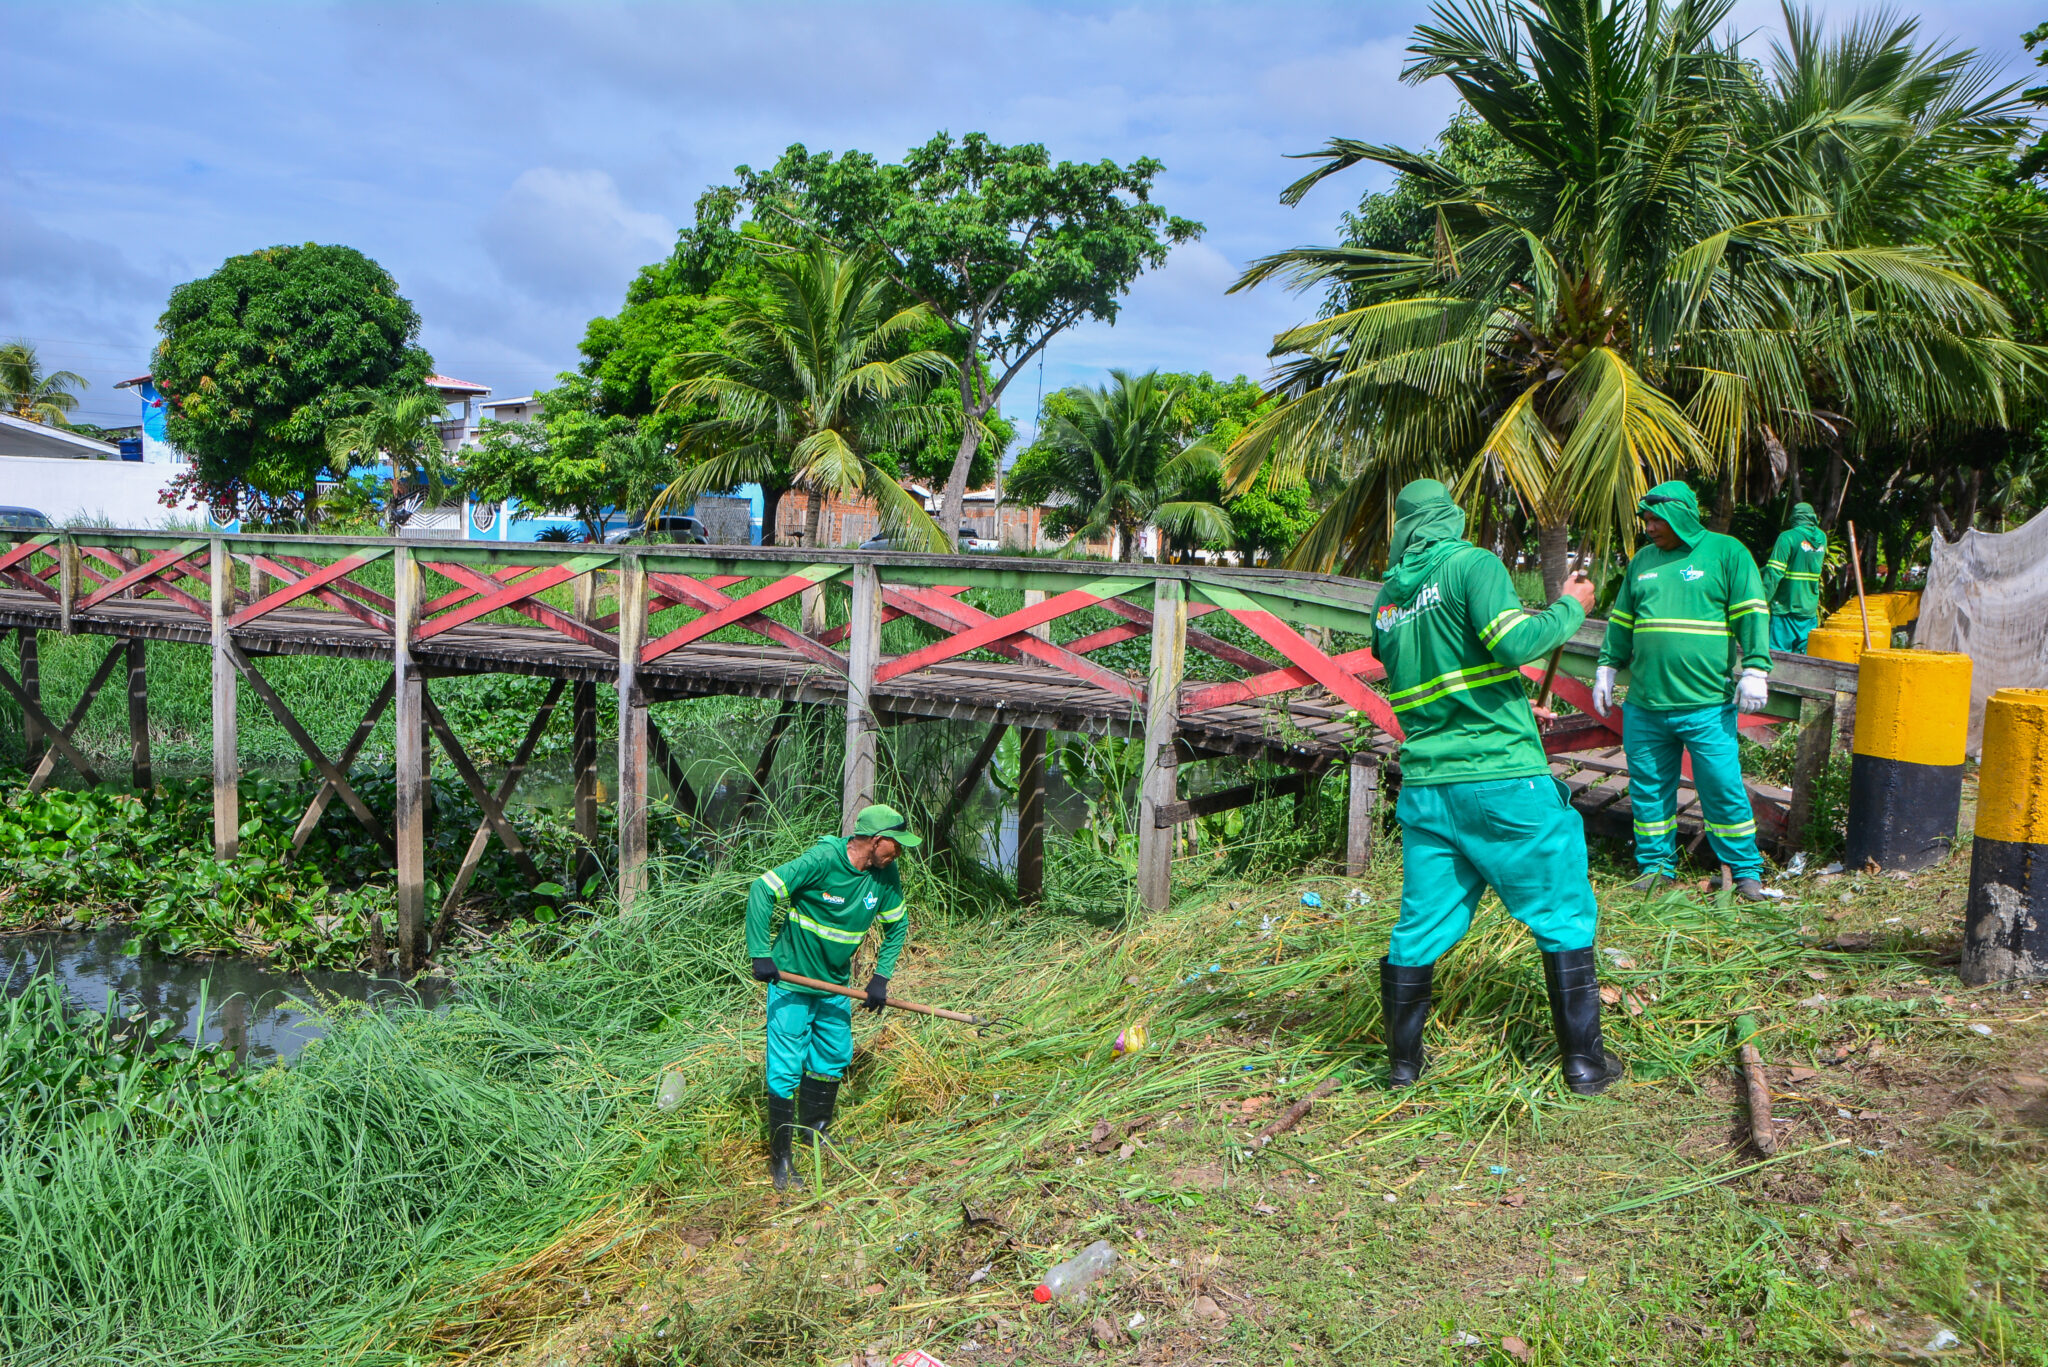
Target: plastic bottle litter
(671, 1094)
(1129, 1040)
(1071, 1279)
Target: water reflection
(263, 1014)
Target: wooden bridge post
(863, 655)
(1362, 815)
(30, 641)
(811, 611)
(632, 731)
(67, 582)
(583, 748)
(1809, 763)
(409, 725)
(227, 815)
(138, 715)
(1030, 815)
(1158, 785)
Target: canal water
(262, 1014)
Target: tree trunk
(1792, 477)
(1724, 499)
(1966, 511)
(813, 509)
(1553, 541)
(771, 504)
(954, 505)
(1833, 490)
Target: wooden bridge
(668, 622)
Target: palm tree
(805, 387)
(28, 391)
(1118, 461)
(1622, 299)
(399, 430)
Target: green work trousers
(1655, 742)
(806, 1034)
(1518, 834)
(1789, 632)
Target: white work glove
(1603, 689)
(1752, 691)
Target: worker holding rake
(832, 892)
(1792, 580)
(1478, 804)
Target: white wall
(121, 492)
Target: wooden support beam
(409, 751)
(757, 783)
(317, 808)
(811, 610)
(227, 772)
(140, 775)
(583, 771)
(326, 767)
(1030, 815)
(1158, 782)
(1208, 804)
(1362, 814)
(29, 641)
(481, 839)
(665, 759)
(1809, 765)
(863, 656)
(632, 731)
(964, 786)
(47, 768)
(479, 793)
(58, 737)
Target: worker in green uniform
(1689, 616)
(832, 893)
(1792, 579)
(1478, 804)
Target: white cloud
(561, 235)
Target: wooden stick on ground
(1856, 566)
(1762, 1132)
(1291, 1117)
(896, 1002)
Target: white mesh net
(1987, 598)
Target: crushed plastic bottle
(671, 1094)
(1071, 1279)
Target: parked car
(969, 543)
(674, 529)
(23, 517)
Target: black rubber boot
(815, 1100)
(1573, 981)
(781, 1128)
(1404, 1006)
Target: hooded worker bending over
(1690, 612)
(833, 892)
(1478, 805)
(1792, 579)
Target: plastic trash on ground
(1311, 899)
(671, 1094)
(1129, 1040)
(1070, 1280)
(916, 1357)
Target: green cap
(881, 820)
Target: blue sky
(513, 165)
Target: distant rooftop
(448, 384)
(519, 402)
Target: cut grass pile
(495, 1183)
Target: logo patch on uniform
(874, 900)
(1646, 574)
(1389, 617)
(1690, 573)
(1806, 545)
(828, 897)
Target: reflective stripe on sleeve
(825, 932)
(893, 914)
(776, 886)
(1499, 626)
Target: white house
(72, 478)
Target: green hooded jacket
(1686, 618)
(1452, 634)
(1792, 574)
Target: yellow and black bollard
(2005, 932)
(1906, 763)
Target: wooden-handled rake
(981, 1022)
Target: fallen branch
(1291, 1117)
(1762, 1132)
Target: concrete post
(2005, 931)
(1906, 763)
(1158, 784)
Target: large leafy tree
(806, 385)
(576, 459)
(1007, 247)
(1116, 458)
(28, 391)
(1617, 286)
(258, 358)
